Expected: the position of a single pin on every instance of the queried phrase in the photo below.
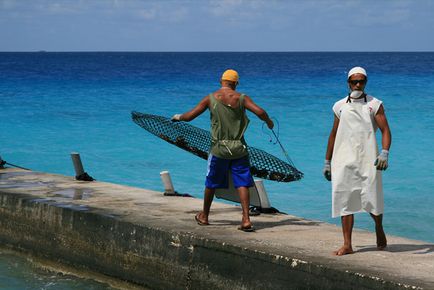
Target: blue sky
(209, 25)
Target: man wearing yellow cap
(228, 147)
(353, 163)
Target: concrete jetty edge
(147, 239)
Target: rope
(283, 149)
(277, 140)
(13, 165)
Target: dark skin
(228, 96)
(386, 140)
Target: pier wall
(158, 255)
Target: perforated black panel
(198, 141)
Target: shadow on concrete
(216, 220)
(216, 211)
(269, 224)
(286, 222)
(398, 248)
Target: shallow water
(18, 272)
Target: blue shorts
(217, 174)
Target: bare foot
(344, 250)
(381, 239)
(201, 219)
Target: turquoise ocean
(54, 103)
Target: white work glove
(176, 118)
(327, 170)
(381, 161)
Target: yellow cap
(230, 75)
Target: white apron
(356, 183)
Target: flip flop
(199, 222)
(246, 229)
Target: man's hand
(176, 118)
(327, 170)
(270, 124)
(382, 160)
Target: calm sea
(54, 103)
(19, 273)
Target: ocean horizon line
(214, 51)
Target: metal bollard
(167, 183)
(80, 174)
(263, 197)
(265, 202)
(76, 161)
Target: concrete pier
(152, 240)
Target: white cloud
(224, 7)
(256, 23)
(147, 14)
(161, 12)
(62, 8)
(368, 13)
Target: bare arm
(258, 111)
(196, 111)
(386, 135)
(332, 137)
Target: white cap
(357, 70)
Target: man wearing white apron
(352, 161)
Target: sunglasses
(355, 82)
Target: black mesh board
(198, 141)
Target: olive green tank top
(228, 125)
